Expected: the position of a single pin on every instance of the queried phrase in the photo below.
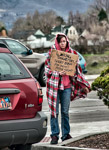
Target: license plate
(5, 103)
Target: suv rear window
(11, 68)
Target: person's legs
(65, 98)
(54, 124)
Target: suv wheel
(20, 147)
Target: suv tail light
(40, 95)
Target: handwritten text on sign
(60, 61)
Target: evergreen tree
(102, 15)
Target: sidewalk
(80, 130)
(91, 77)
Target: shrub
(101, 84)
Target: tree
(70, 18)
(101, 84)
(28, 22)
(44, 21)
(48, 20)
(1, 24)
(78, 22)
(102, 15)
(18, 25)
(59, 20)
(98, 5)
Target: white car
(33, 61)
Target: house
(39, 39)
(72, 34)
(70, 31)
(31, 38)
(83, 37)
(57, 29)
(39, 34)
(89, 39)
(107, 36)
(50, 39)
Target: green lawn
(100, 61)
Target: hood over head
(57, 44)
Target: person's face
(63, 43)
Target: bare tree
(44, 21)
(48, 20)
(78, 22)
(101, 4)
(28, 22)
(18, 25)
(70, 18)
(36, 23)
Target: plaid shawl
(78, 82)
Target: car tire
(20, 147)
(42, 79)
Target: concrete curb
(62, 146)
(91, 77)
(58, 148)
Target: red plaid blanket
(78, 82)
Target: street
(82, 111)
(88, 115)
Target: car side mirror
(30, 52)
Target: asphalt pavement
(87, 117)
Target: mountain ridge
(20, 8)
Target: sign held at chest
(63, 61)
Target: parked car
(82, 62)
(22, 121)
(34, 61)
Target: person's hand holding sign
(62, 73)
(85, 90)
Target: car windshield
(16, 47)
(11, 68)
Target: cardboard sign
(60, 61)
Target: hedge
(101, 84)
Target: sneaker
(54, 140)
(67, 137)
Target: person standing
(61, 89)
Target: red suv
(22, 121)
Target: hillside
(10, 10)
(96, 63)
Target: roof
(39, 36)
(39, 32)
(50, 36)
(85, 33)
(89, 36)
(67, 27)
(56, 29)
(31, 38)
(4, 50)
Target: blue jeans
(63, 97)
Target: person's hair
(59, 37)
